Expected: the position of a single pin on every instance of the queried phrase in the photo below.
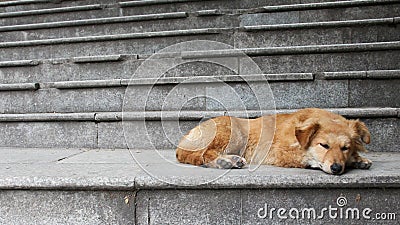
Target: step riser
(318, 36)
(302, 94)
(231, 206)
(126, 46)
(53, 4)
(64, 16)
(248, 19)
(338, 14)
(289, 63)
(201, 5)
(83, 207)
(62, 70)
(122, 28)
(384, 133)
(335, 35)
(355, 61)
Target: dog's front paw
(362, 164)
(227, 162)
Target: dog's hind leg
(196, 157)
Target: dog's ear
(306, 131)
(361, 130)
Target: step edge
(322, 5)
(324, 24)
(51, 11)
(383, 112)
(106, 20)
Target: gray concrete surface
(85, 185)
(82, 186)
(334, 14)
(254, 206)
(122, 169)
(106, 130)
(66, 207)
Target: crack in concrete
(72, 155)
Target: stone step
(12, 13)
(197, 19)
(57, 14)
(319, 33)
(283, 91)
(108, 186)
(296, 59)
(311, 4)
(328, 32)
(337, 11)
(27, 5)
(160, 130)
(138, 43)
(137, 7)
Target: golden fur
(312, 138)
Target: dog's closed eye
(324, 145)
(344, 148)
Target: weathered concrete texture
(202, 96)
(385, 134)
(93, 12)
(165, 97)
(284, 95)
(111, 135)
(67, 100)
(384, 60)
(143, 135)
(189, 207)
(66, 207)
(103, 27)
(250, 206)
(27, 155)
(350, 13)
(63, 70)
(13, 6)
(124, 170)
(195, 6)
(333, 62)
(319, 15)
(378, 33)
(193, 69)
(97, 186)
(310, 94)
(127, 46)
(322, 36)
(380, 93)
(54, 134)
(140, 135)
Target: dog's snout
(336, 168)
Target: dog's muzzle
(336, 168)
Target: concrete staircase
(67, 93)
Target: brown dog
(312, 138)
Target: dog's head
(330, 142)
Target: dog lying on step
(308, 138)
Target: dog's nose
(336, 168)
